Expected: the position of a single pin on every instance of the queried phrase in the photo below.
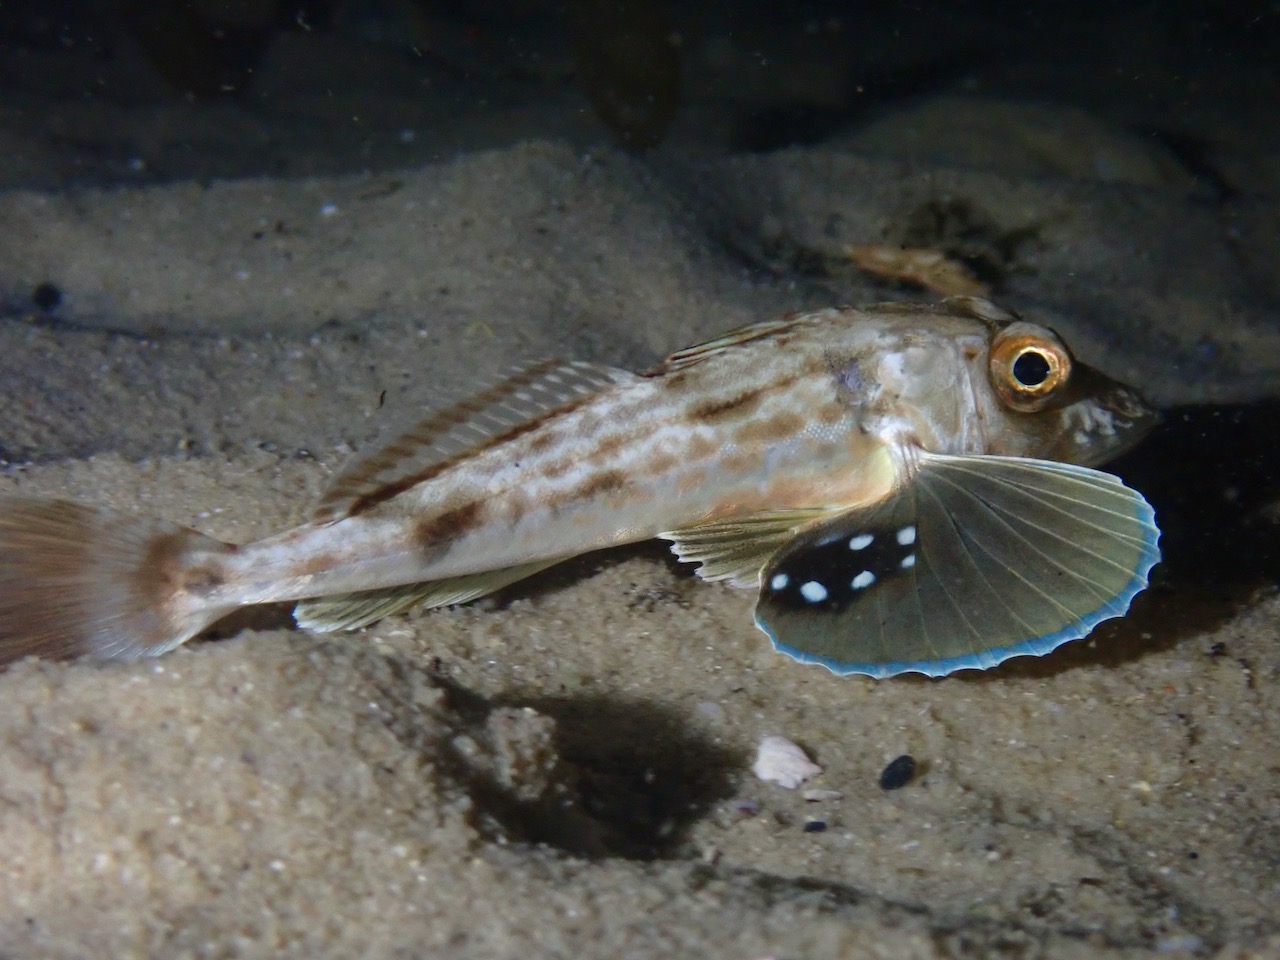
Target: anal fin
(351, 611)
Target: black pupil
(1031, 369)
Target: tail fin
(80, 581)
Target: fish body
(745, 452)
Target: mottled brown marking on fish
(389, 490)
(449, 525)
(739, 461)
(830, 413)
(701, 447)
(778, 427)
(610, 445)
(542, 442)
(555, 469)
(660, 463)
(606, 481)
(162, 571)
(438, 426)
(203, 580)
(317, 563)
(711, 411)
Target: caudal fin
(78, 581)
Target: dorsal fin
(701, 351)
(444, 435)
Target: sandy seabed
(565, 771)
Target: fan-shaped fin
(521, 399)
(350, 611)
(735, 550)
(80, 581)
(972, 561)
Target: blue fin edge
(1035, 647)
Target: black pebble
(815, 826)
(46, 297)
(898, 773)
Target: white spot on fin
(908, 561)
(907, 535)
(861, 541)
(865, 579)
(813, 591)
(779, 581)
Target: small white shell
(819, 795)
(780, 761)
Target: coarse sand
(564, 770)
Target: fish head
(1042, 402)
(966, 377)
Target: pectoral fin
(735, 550)
(350, 611)
(972, 561)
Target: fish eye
(1031, 368)
(1028, 366)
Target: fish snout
(1130, 410)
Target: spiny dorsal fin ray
(350, 611)
(701, 351)
(736, 549)
(444, 435)
(971, 561)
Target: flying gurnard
(908, 488)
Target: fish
(907, 488)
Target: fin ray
(1028, 527)
(351, 611)
(736, 549)
(739, 335)
(80, 581)
(1019, 530)
(970, 561)
(443, 435)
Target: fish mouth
(1108, 421)
(1132, 418)
(1127, 404)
